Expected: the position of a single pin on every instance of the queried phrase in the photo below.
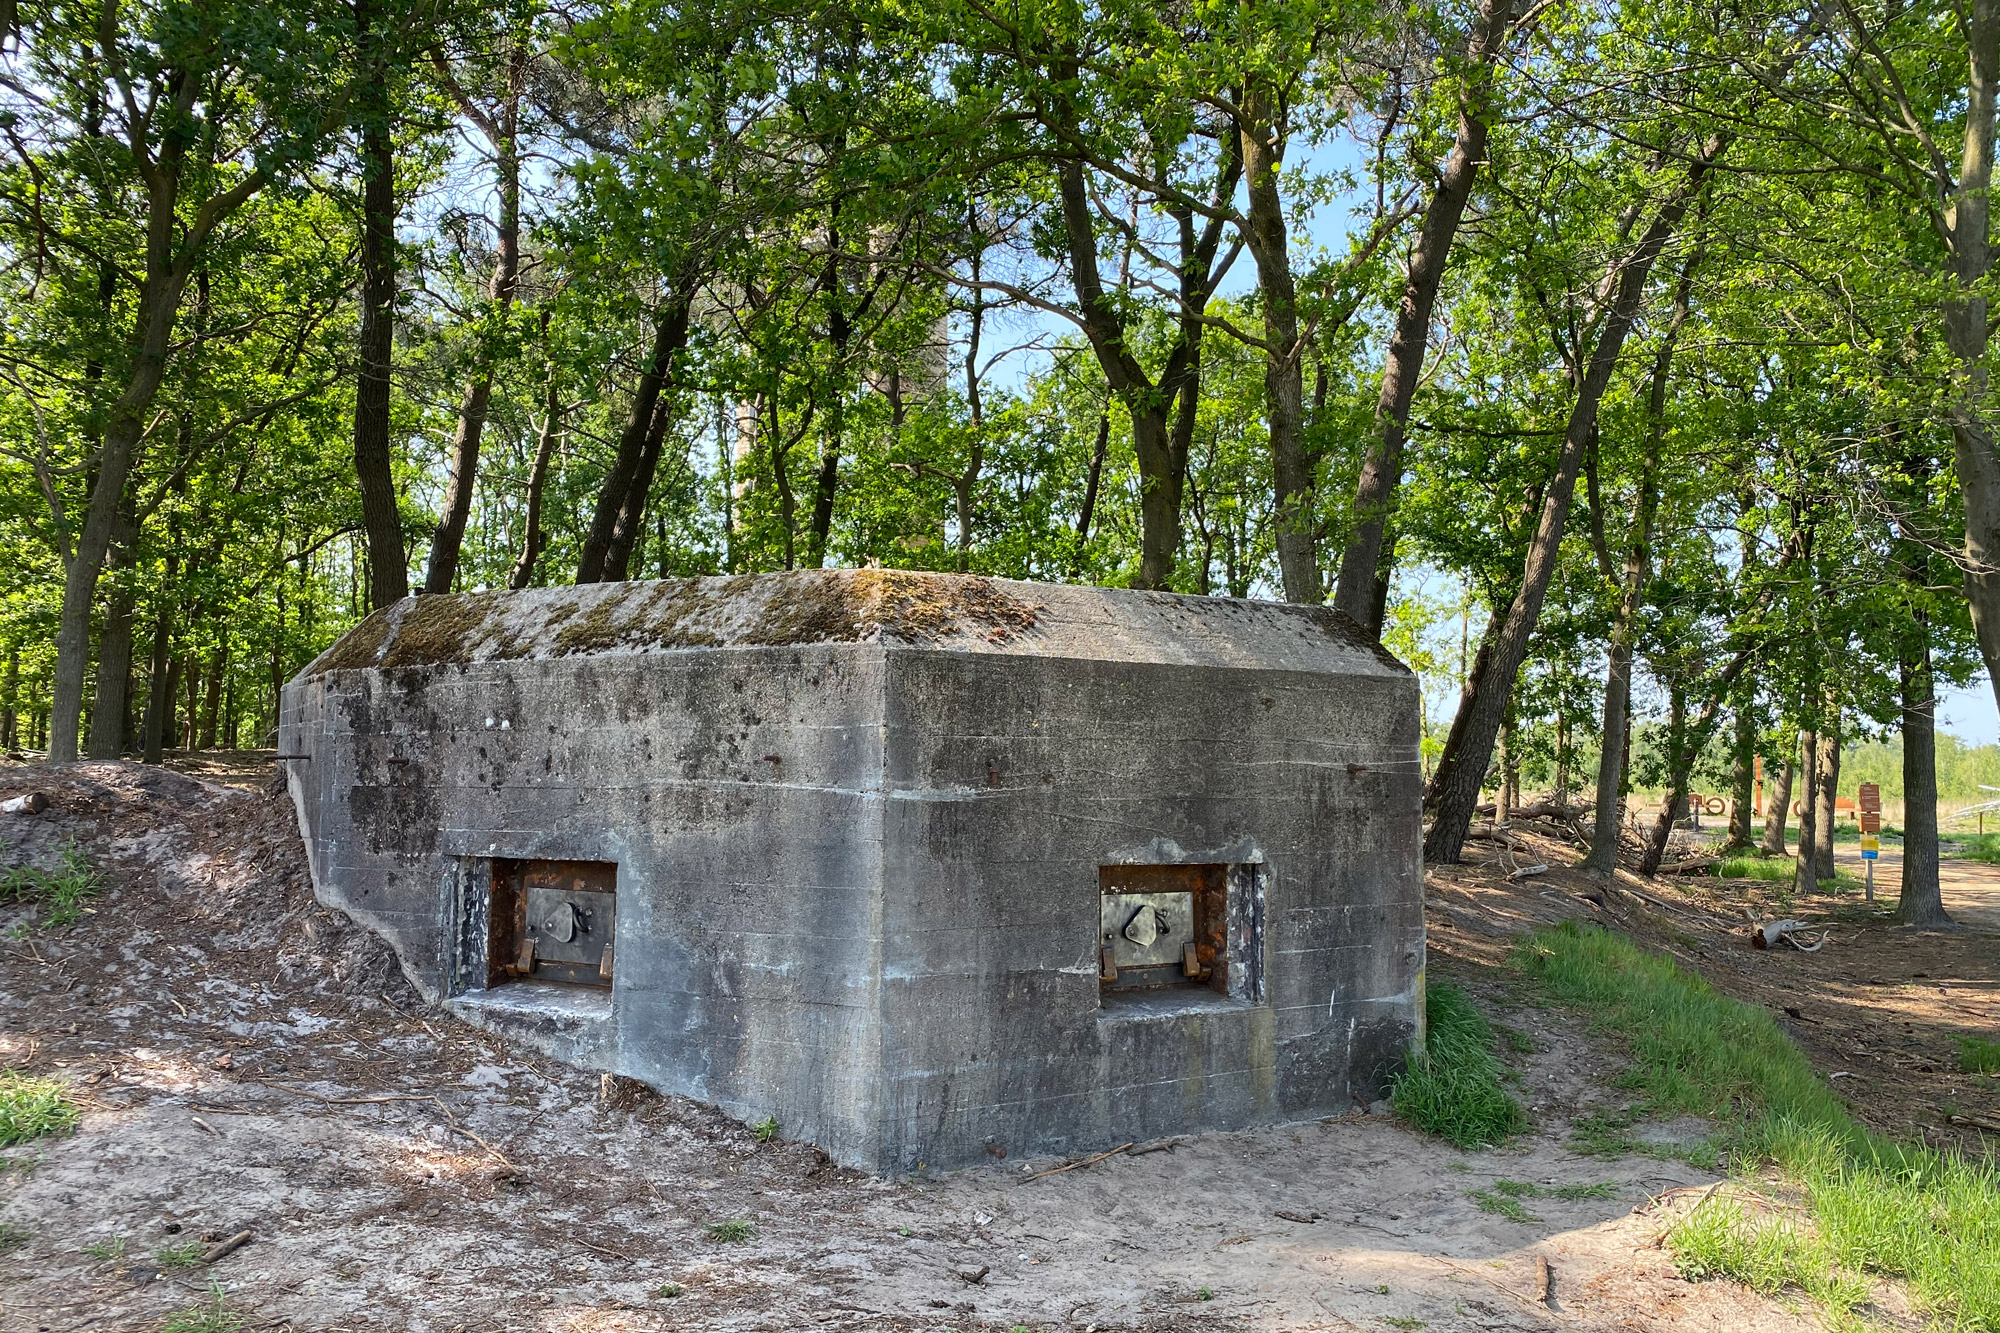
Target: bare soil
(252, 1061)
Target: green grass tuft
(62, 889)
(1978, 1055)
(184, 1255)
(1776, 869)
(765, 1129)
(1453, 1088)
(1871, 1206)
(211, 1316)
(734, 1232)
(33, 1108)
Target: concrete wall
(857, 883)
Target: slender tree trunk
(1503, 795)
(1460, 794)
(1090, 484)
(388, 562)
(1922, 901)
(218, 673)
(670, 331)
(538, 476)
(1268, 239)
(1382, 470)
(159, 681)
(500, 287)
(1828, 768)
(10, 701)
(1779, 808)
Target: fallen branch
(1767, 935)
(1071, 1166)
(1975, 1122)
(228, 1247)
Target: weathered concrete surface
(858, 819)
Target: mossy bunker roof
(952, 612)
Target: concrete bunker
(930, 868)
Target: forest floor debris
(433, 1178)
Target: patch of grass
(666, 1291)
(1403, 1322)
(62, 889)
(106, 1251)
(1501, 1205)
(734, 1232)
(12, 1237)
(1870, 1206)
(1205, 1294)
(765, 1129)
(211, 1316)
(1452, 1089)
(1773, 869)
(185, 1255)
(1978, 1055)
(33, 1108)
(1971, 847)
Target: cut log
(30, 803)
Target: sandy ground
(1971, 889)
(253, 1062)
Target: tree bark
(1805, 875)
(1743, 774)
(1779, 808)
(1966, 331)
(374, 468)
(159, 684)
(1828, 774)
(1922, 901)
(538, 477)
(1461, 721)
(670, 331)
(1267, 238)
(1685, 741)
(1458, 796)
(114, 654)
(631, 526)
(501, 128)
(1382, 469)
(10, 701)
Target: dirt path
(1971, 889)
(253, 1062)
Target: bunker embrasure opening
(1163, 925)
(552, 921)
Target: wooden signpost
(1868, 804)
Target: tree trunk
(114, 653)
(1966, 331)
(159, 684)
(1382, 470)
(669, 337)
(1743, 775)
(1779, 808)
(1267, 238)
(1503, 795)
(1922, 902)
(1458, 796)
(472, 407)
(10, 701)
(1454, 744)
(1824, 818)
(1806, 868)
(538, 477)
(631, 526)
(388, 563)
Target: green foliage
(734, 1231)
(33, 1108)
(766, 1129)
(106, 1251)
(1453, 1087)
(62, 889)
